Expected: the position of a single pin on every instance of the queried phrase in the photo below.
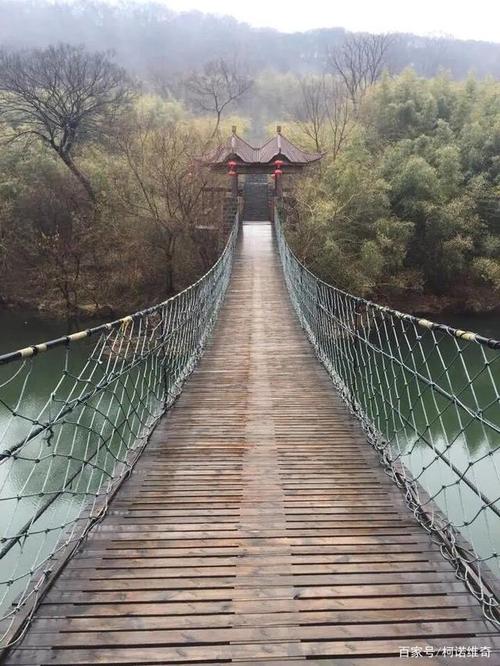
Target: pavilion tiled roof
(280, 145)
(277, 147)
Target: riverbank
(467, 302)
(57, 311)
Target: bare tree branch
(311, 112)
(323, 112)
(338, 114)
(216, 87)
(63, 96)
(359, 62)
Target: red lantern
(232, 168)
(278, 164)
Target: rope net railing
(75, 413)
(428, 398)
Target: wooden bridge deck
(258, 527)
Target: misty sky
(479, 19)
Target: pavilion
(278, 155)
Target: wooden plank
(206, 557)
(263, 650)
(213, 635)
(252, 579)
(379, 616)
(201, 607)
(167, 566)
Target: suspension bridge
(306, 497)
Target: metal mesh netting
(74, 419)
(428, 397)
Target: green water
(27, 485)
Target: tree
(53, 238)
(338, 114)
(408, 209)
(323, 112)
(63, 96)
(359, 61)
(311, 112)
(216, 87)
(163, 187)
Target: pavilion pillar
(233, 175)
